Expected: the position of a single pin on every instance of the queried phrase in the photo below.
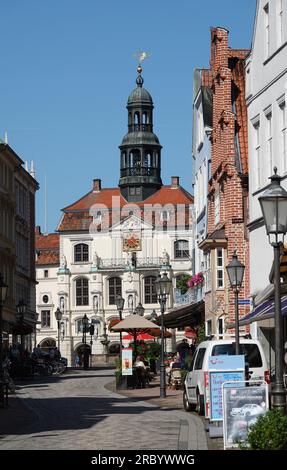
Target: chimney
(38, 231)
(175, 182)
(97, 185)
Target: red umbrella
(139, 337)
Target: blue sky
(67, 68)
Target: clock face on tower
(131, 242)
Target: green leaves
(268, 433)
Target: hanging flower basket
(196, 280)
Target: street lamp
(120, 302)
(235, 271)
(3, 295)
(21, 310)
(85, 322)
(163, 287)
(58, 315)
(273, 204)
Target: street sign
(244, 302)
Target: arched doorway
(80, 354)
(114, 348)
(47, 344)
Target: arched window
(82, 291)
(181, 249)
(136, 118)
(150, 296)
(135, 158)
(148, 160)
(81, 252)
(115, 288)
(145, 118)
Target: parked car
(196, 380)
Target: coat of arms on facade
(131, 242)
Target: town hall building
(115, 241)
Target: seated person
(139, 362)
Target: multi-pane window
(115, 288)
(22, 252)
(181, 249)
(207, 269)
(256, 127)
(283, 137)
(150, 296)
(269, 144)
(82, 291)
(45, 319)
(219, 268)
(216, 208)
(267, 31)
(81, 253)
(220, 327)
(21, 200)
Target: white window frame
(220, 319)
(208, 328)
(219, 268)
(257, 152)
(207, 271)
(269, 143)
(283, 134)
(280, 29)
(267, 30)
(50, 318)
(217, 207)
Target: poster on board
(127, 361)
(241, 408)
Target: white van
(196, 381)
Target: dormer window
(164, 216)
(81, 253)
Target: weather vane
(141, 56)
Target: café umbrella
(134, 324)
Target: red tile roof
(48, 257)
(47, 248)
(165, 195)
(44, 242)
(77, 215)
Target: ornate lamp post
(58, 315)
(274, 208)
(85, 321)
(235, 271)
(163, 287)
(3, 295)
(120, 302)
(21, 310)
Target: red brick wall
(229, 171)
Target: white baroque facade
(266, 86)
(115, 241)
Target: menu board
(216, 379)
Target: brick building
(228, 184)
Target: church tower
(140, 148)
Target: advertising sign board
(241, 408)
(223, 369)
(127, 361)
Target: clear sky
(67, 68)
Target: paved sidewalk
(80, 409)
(192, 430)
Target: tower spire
(140, 148)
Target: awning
(188, 315)
(263, 311)
(22, 329)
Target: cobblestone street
(76, 411)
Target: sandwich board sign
(223, 369)
(242, 406)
